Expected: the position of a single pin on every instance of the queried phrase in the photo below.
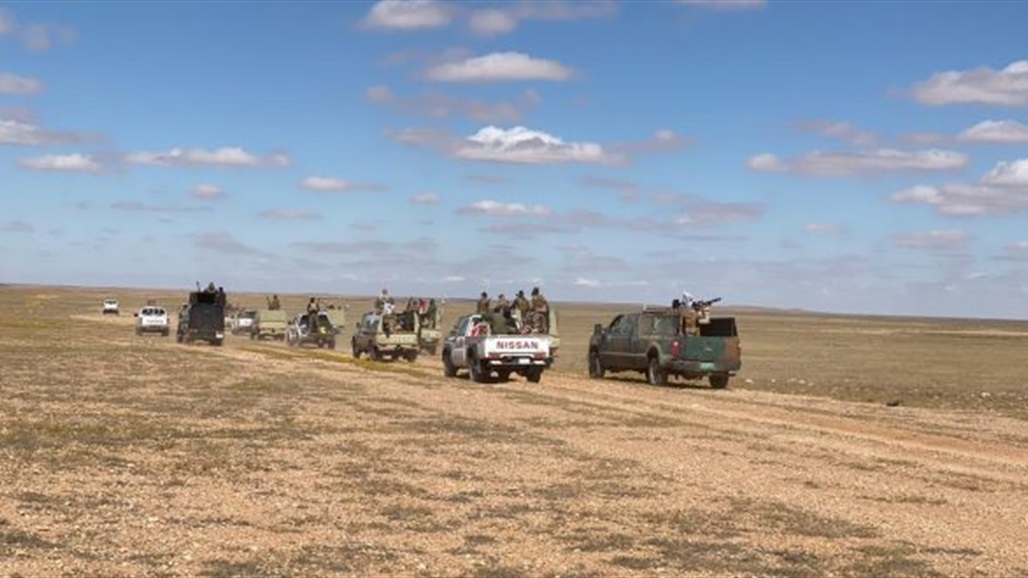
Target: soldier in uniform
(522, 305)
(502, 305)
(273, 303)
(312, 315)
(540, 311)
(430, 314)
(380, 302)
(483, 303)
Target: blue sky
(839, 156)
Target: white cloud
(840, 130)
(1018, 248)
(966, 200)
(288, 215)
(453, 279)
(16, 226)
(1008, 174)
(935, 240)
(1006, 87)
(14, 84)
(875, 161)
(208, 192)
(75, 162)
(499, 67)
(425, 199)
(824, 228)
(498, 209)
(436, 105)
(715, 213)
(501, 20)
(325, 184)
(525, 146)
(6, 22)
(663, 140)
(222, 157)
(591, 283)
(726, 4)
(996, 131)
(24, 132)
(408, 15)
(224, 243)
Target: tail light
(676, 348)
(539, 355)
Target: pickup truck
(485, 344)
(242, 321)
(387, 336)
(269, 323)
(300, 332)
(667, 342)
(152, 319)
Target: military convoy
(683, 340)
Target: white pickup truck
(488, 344)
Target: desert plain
(846, 446)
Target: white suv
(109, 307)
(152, 319)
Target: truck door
(619, 336)
(458, 353)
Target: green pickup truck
(667, 342)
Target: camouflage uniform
(522, 305)
(483, 303)
(273, 303)
(540, 312)
(502, 305)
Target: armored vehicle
(685, 342)
(490, 343)
(321, 333)
(202, 319)
(387, 336)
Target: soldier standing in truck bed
(540, 311)
(482, 306)
(502, 305)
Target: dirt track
(306, 463)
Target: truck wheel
(534, 375)
(718, 380)
(504, 375)
(448, 368)
(654, 374)
(375, 354)
(412, 356)
(356, 351)
(431, 349)
(216, 342)
(331, 344)
(596, 370)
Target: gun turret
(700, 305)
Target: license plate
(524, 361)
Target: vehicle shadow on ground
(641, 381)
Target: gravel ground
(126, 456)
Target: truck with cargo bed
(489, 344)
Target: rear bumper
(698, 368)
(152, 328)
(517, 362)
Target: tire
(479, 373)
(356, 351)
(331, 344)
(534, 375)
(216, 342)
(412, 356)
(596, 369)
(164, 333)
(654, 374)
(431, 349)
(504, 375)
(448, 368)
(718, 380)
(375, 354)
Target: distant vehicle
(269, 324)
(485, 344)
(202, 319)
(387, 336)
(109, 307)
(242, 321)
(152, 319)
(684, 342)
(299, 332)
